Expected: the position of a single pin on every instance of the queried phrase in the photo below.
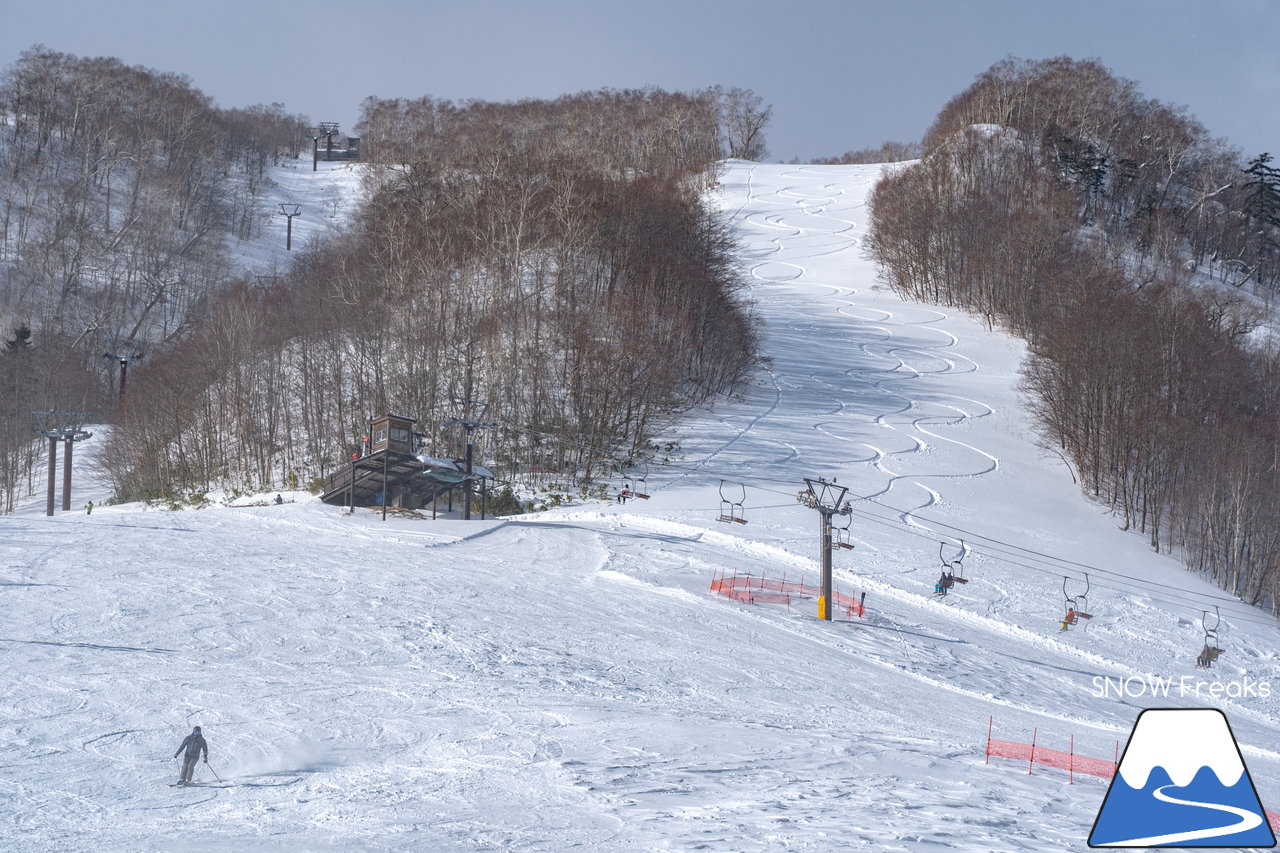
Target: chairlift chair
(732, 512)
(1211, 649)
(950, 570)
(641, 490)
(627, 490)
(840, 535)
(1077, 606)
(624, 484)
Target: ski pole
(211, 770)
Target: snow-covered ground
(326, 199)
(566, 681)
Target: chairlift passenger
(950, 570)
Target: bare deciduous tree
(1055, 200)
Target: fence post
(1031, 764)
(990, 719)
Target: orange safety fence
(1033, 753)
(1036, 753)
(764, 590)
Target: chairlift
(950, 570)
(732, 512)
(1211, 649)
(1077, 605)
(624, 484)
(641, 490)
(840, 535)
(627, 491)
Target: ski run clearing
(566, 680)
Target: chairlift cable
(1013, 557)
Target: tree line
(121, 189)
(887, 152)
(1107, 230)
(548, 266)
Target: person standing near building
(192, 746)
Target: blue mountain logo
(1182, 783)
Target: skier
(88, 508)
(193, 744)
(1069, 619)
(279, 500)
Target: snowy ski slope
(566, 681)
(327, 197)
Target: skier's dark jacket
(194, 744)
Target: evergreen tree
(1262, 191)
(1262, 205)
(21, 339)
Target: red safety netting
(1008, 749)
(764, 590)
(1100, 767)
(1034, 753)
(1037, 753)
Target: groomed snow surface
(566, 681)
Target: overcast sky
(840, 75)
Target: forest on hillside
(121, 188)
(545, 266)
(549, 266)
(1140, 259)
